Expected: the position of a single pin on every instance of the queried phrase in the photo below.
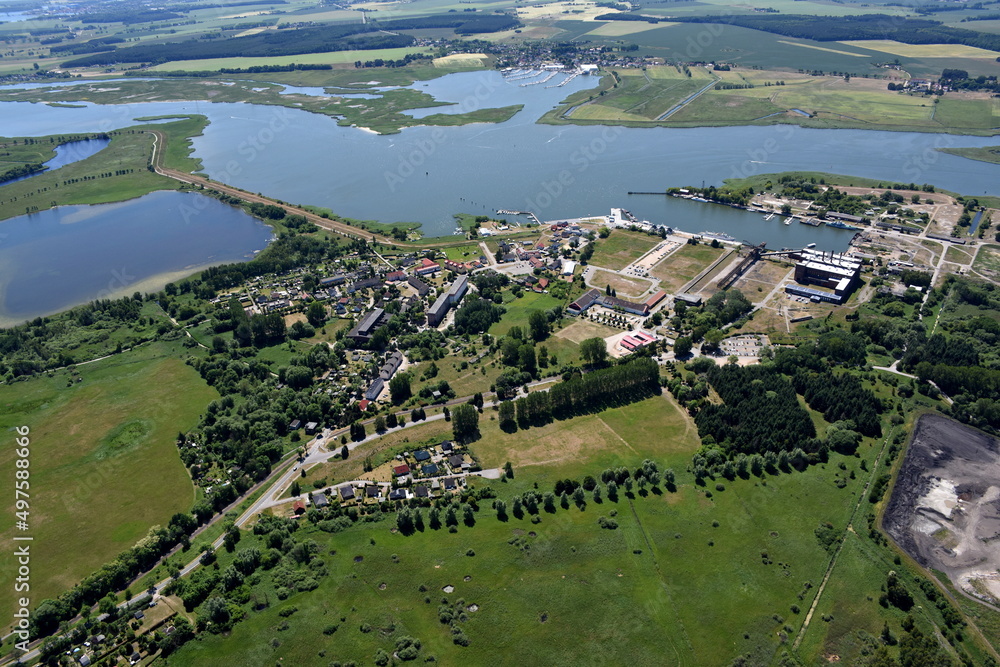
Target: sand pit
(944, 510)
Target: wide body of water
(14, 17)
(56, 259)
(427, 174)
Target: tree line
(857, 27)
(626, 383)
(355, 36)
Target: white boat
(788, 221)
(810, 245)
(768, 217)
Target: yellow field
(461, 60)
(601, 112)
(578, 11)
(820, 48)
(622, 28)
(923, 50)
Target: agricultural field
(104, 463)
(644, 95)
(684, 264)
(830, 101)
(621, 249)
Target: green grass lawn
(621, 249)
(517, 311)
(104, 466)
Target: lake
(68, 153)
(426, 174)
(56, 259)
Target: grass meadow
(621, 249)
(696, 576)
(104, 466)
(678, 268)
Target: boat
(768, 217)
(718, 235)
(459, 230)
(788, 221)
(810, 245)
(837, 224)
(813, 222)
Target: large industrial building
(839, 273)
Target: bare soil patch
(581, 330)
(944, 509)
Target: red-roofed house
(543, 283)
(393, 276)
(363, 404)
(399, 471)
(427, 267)
(298, 508)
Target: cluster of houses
(426, 473)
(443, 459)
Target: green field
(696, 576)
(643, 95)
(130, 149)
(104, 464)
(517, 311)
(621, 249)
(684, 264)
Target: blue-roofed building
(813, 294)
(422, 455)
(429, 469)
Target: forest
(961, 358)
(371, 35)
(760, 411)
(861, 27)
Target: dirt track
(945, 507)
